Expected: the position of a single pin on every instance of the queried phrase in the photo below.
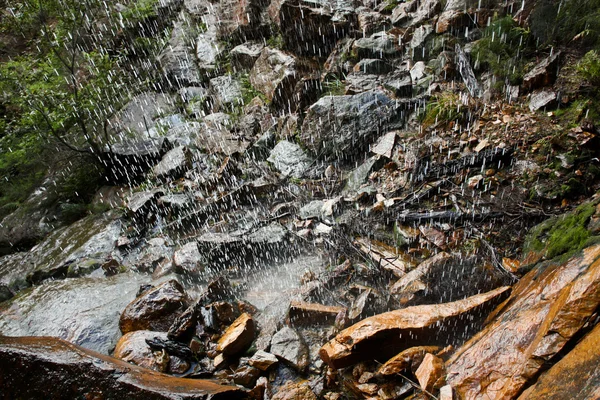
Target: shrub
(589, 67)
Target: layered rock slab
(63, 370)
(547, 307)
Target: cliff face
(331, 199)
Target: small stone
(290, 347)
(246, 375)
(263, 360)
(238, 336)
(446, 393)
(430, 371)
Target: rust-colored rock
(546, 308)
(576, 376)
(302, 313)
(155, 309)
(407, 360)
(385, 335)
(294, 391)
(132, 347)
(238, 336)
(52, 368)
(431, 372)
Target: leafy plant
(443, 108)
(589, 67)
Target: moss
(561, 236)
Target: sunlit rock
(289, 346)
(289, 159)
(132, 347)
(430, 373)
(238, 336)
(407, 361)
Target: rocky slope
(334, 199)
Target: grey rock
(187, 259)
(226, 93)
(400, 83)
(289, 159)
(142, 203)
(541, 99)
(420, 36)
(465, 70)
(263, 360)
(173, 164)
(274, 74)
(289, 346)
(184, 134)
(207, 52)
(379, 45)
(359, 175)
(178, 60)
(215, 136)
(543, 74)
(373, 66)
(245, 55)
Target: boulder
(342, 126)
(207, 52)
(541, 99)
(543, 74)
(576, 376)
(187, 259)
(81, 310)
(274, 74)
(42, 367)
(238, 336)
(239, 20)
(143, 206)
(132, 348)
(226, 93)
(288, 345)
(245, 55)
(378, 45)
(178, 60)
(173, 164)
(383, 335)
(263, 360)
(155, 309)
(289, 159)
(547, 307)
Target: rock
(453, 16)
(207, 52)
(373, 66)
(546, 308)
(543, 74)
(293, 390)
(430, 372)
(83, 310)
(289, 159)
(288, 345)
(391, 332)
(263, 360)
(310, 314)
(183, 327)
(466, 72)
(576, 376)
(245, 55)
(215, 136)
(155, 309)
(246, 376)
(226, 93)
(341, 126)
(132, 348)
(419, 38)
(187, 259)
(399, 83)
(446, 393)
(138, 118)
(140, 204)
(59, 368)
(173, 164)
(378, 45)
(5, 292)
(239, 20)
(407, 360)
(370, 21)
(274, 74)
(542, 99)
(238, 336)
(178, 60)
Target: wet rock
(239, 20)
(141, 204)
(132, 348)
(576, 376)
(430, 373)
(184, 134)
(359, 175)
(378, 45)
(156, 309)
(370, 21)
(215, 136)
(57, 366)
(337, 62)
(245, 55)
(340, 126)
(293, 390)
(187, 259)
(542, 99)
(5, 292)
(394, 331)
(138, 118)
(274, 74)
(173, 164)
(226, 93)
(546, 308)
(466, 72)
(246, 376)
(207, 52)
(183, 326)
(453, 16)
(288, 345)
(238, 336)
(263, 360)
(289, 159)
(309, 314)
(178, 60)
(407, 360)
(364, 301)
(385, 145)
(399, 83)
(542, 74)
(373, 66)
(83, 310)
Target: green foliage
(502, 50)
(565, 22)
(333, 86)
(139, 11)
(276, 41)
(589, 67)
(442, 109)
(561, 236)
(249, 92)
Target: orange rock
(238, 336)
(294, 391)
(576, 376)
(133, 348)
(430, 372)
(302, 313)
(546, 308)
(385, 335)
(407, 360)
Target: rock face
(289, 159)
(178, 60)
(542, 74)
(274, 74)
(384, 335)
(340, 126)
(63, 370)
(576, 376)
(238, 336)
(546, 308)
(155, 309)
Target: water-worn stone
(238, 336)
(62, 370)
(289, 159)
(342, 126)
(576, 376)
(132, 348)
(288, 345)
(407, 360)
(384, 335)
(154, 309)
(546, 308)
